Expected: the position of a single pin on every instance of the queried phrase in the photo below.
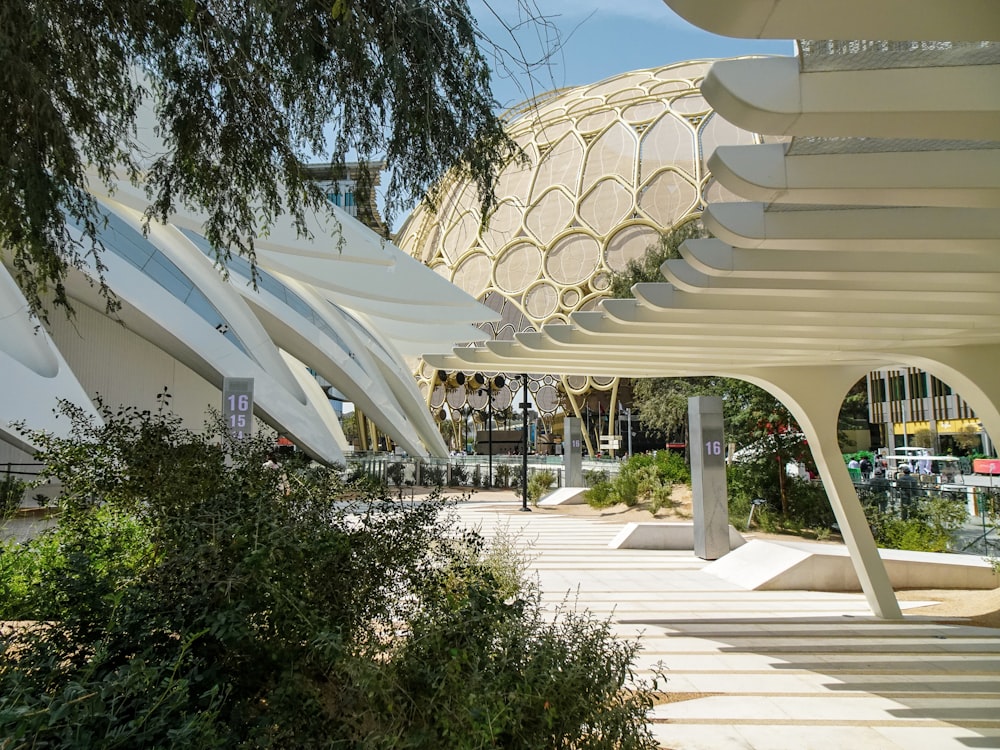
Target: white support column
(814, 395)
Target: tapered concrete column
(814, 395)
(573, 452)
(708, 477)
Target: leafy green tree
(663, 402)
(239, 97)
(186, 600)
(349, 424)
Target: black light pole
(524, 452)
(489, 429)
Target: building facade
(910, 407)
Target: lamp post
(524, 447)
(489, 430)
(489, 384)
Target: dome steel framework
(609, 167)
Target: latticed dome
(610, 166)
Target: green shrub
(661, 497)
(189, 602)
(672, 469)
(459, 475)
(539, 484)
(649, 478)
(625, 487)
(808, 505)
(432, 475)
(930, 527)
(502, 475)
(600, 495)
(395, 473)
(11, 494)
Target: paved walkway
(775, 669)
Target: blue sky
(594, 40)
(602, 38)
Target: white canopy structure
(874, 239)
(341, 308)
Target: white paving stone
(776, 670)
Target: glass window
(128, 244)
(939, 387)
(239, 266)
(897, 388)
(878, 389)
(918, 385)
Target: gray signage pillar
(237, 406)
(708, 477)
(573, 451)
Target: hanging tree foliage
(241, 93)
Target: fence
(903, 499)
(458, 471)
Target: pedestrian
(906, 487)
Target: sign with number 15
(237, 406)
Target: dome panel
(461, 236)
(428, 247)
(606, 205)
(597, 121)
(517, 267)
(504, 224)
(541, 300)
(628, 244)
(449, 200)
(667, 198)
(669, 141)
(573, 259)
(472, 274)
(546, 399)
(693, 69)
(612, 153)
(456, 397)
(550, 216)
(570, 298)
(437, 397)
(644, 112)
(505, 332)
(670, 87)
(690, 104)
(626, 95)
(584, 105)
(476, 399)
(502, 399)
(516, 177)
(559, 166)
(554, 131)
